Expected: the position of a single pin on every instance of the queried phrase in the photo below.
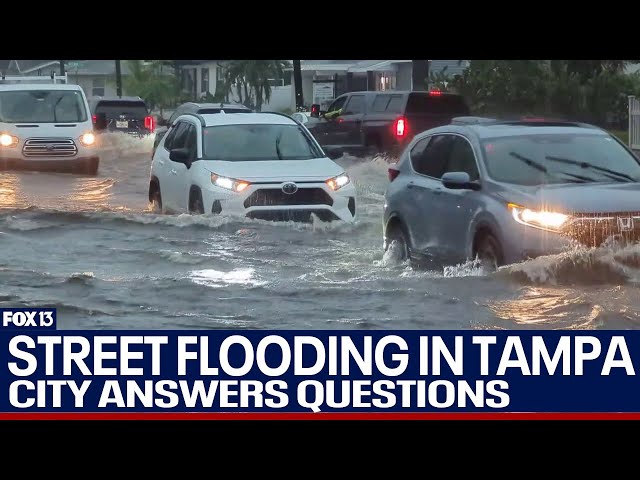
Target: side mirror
(459, 181)
(315, 110)
(100, 122)
(333, 153)
(181, 155)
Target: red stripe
(318, 416)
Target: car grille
(303, 216)
(595, 229)
(49, 147)
(275, 196)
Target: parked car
(259, 165)
(128, 115)
(505, 191)
(46, 127)
(197, 108)
(383, 122)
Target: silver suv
(505, 191)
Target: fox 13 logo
(28, 318)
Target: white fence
(634, 123)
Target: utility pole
(61, 67)
(118, 79)
(297, 81)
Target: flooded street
(90, 247)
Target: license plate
(122, 124)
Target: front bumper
(58, 165)
(522, 242)
(253, 202)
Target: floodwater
(91, 247)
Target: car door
(457, 207)
(349, 131)
(330, 126)
(177, 171)
(428, 159)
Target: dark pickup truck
(122, 114)
(382, 122)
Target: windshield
(237, 143)
(42, 106)
(559, 158)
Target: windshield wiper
(531, 163)
(542, 168)
(604, 170)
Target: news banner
(46, 370)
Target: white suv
(46, 128)
(261, 165)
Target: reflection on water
(54, 191)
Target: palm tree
(149, 81)
(251, 79)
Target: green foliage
(249, 79)
(153, 82)
(591, 91)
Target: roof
(199, 105)
(448, 67)
(117, 99)
(39, 86)
(96, 67)
(218, 119)
(495, 129)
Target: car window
(462, 158)
(395, 104)
(431, 158)
(451, 105)
(42, 106)
(337, 104)
(115, 108)
(191, 141)
(180, 138)
(355, 105)
(380, 103)
(236, 143)
(543, 158)
(168, 141)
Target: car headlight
(229, 183)
(88, 139)
(8, 141)
(336, 183)
(542, 219)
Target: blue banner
(317, 371)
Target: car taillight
(401, 127)
(149, 123)
(435, 93)
(94, 119)
(393, 173)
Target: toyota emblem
(289, 188)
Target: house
(323, 80)
(96, 77)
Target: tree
(251, 79)
(153, 82)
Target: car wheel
(397, 245)
(196, 205)
(488, 253)
(155, 197)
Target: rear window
(237, 143)
(115, 108)
(388, 103)
(437, 104)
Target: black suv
(382, 121)
(200, 109)
(122, 114)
